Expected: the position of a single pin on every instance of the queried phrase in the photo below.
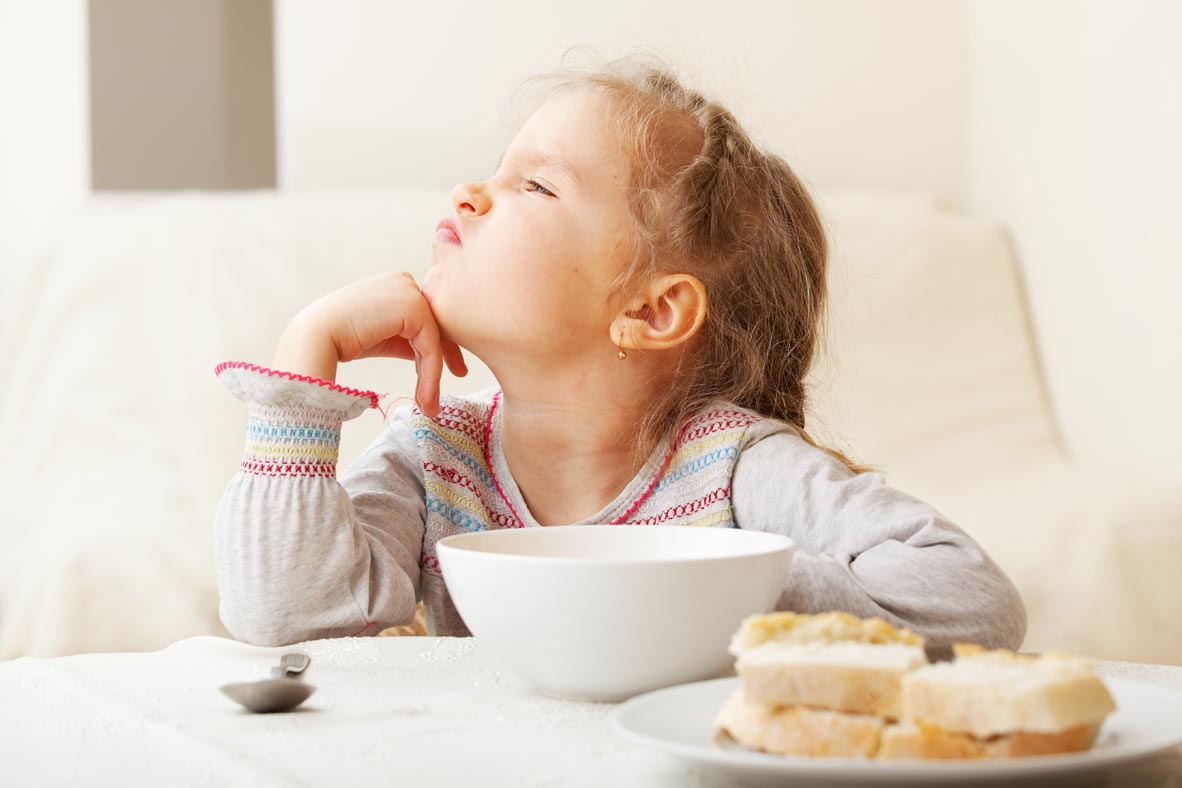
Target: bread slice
(854, 677)
(908, 740)
(989, 693)
(797, 730)
(832, 661)
(832, 627)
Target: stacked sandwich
(836, 685)
(998, 704)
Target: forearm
(931, 591)
(294, 564)
(872, 550)
(306, 349)
(299, 553)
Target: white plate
(680, 720)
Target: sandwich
(836, 685)
(817, 685)
(998, 704)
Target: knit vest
(686, 482)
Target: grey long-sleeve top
(303, 554)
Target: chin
(430, 288)
(449, 328)
(457, 323)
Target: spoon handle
(291, 665)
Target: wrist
(306, 349)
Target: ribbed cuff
(291, 440)
(295, 420)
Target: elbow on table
(256, 634)
(1001, 616)
(268, 623)
(287, 636)
(267, 640)
(260, 629)
(992, 615)
(1013, 619)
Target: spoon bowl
(269, 695)
(282, 692)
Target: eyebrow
(547, 160)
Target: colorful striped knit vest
(687, 482)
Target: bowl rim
(787, 544)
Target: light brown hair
(706, 201)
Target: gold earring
(623, 355)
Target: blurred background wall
(852, 92)
(1075, 114)
(1057, 118)
(181, 94)
(44, 137)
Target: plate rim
(806, 766)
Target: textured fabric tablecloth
(413, 711)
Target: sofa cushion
(929, 367)
(121, 440)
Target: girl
(647, 288)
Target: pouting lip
(451, 223)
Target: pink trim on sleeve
(373, 396)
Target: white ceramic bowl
(604, 612)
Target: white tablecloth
(409, 711)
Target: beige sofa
(119, 440)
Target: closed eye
(529, 182)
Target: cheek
(539, 278)
(573, 302)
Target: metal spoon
(282, 692)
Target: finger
(454, 358)
(424, 338)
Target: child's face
(530, 280)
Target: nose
(470, 197)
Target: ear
(672, 312)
